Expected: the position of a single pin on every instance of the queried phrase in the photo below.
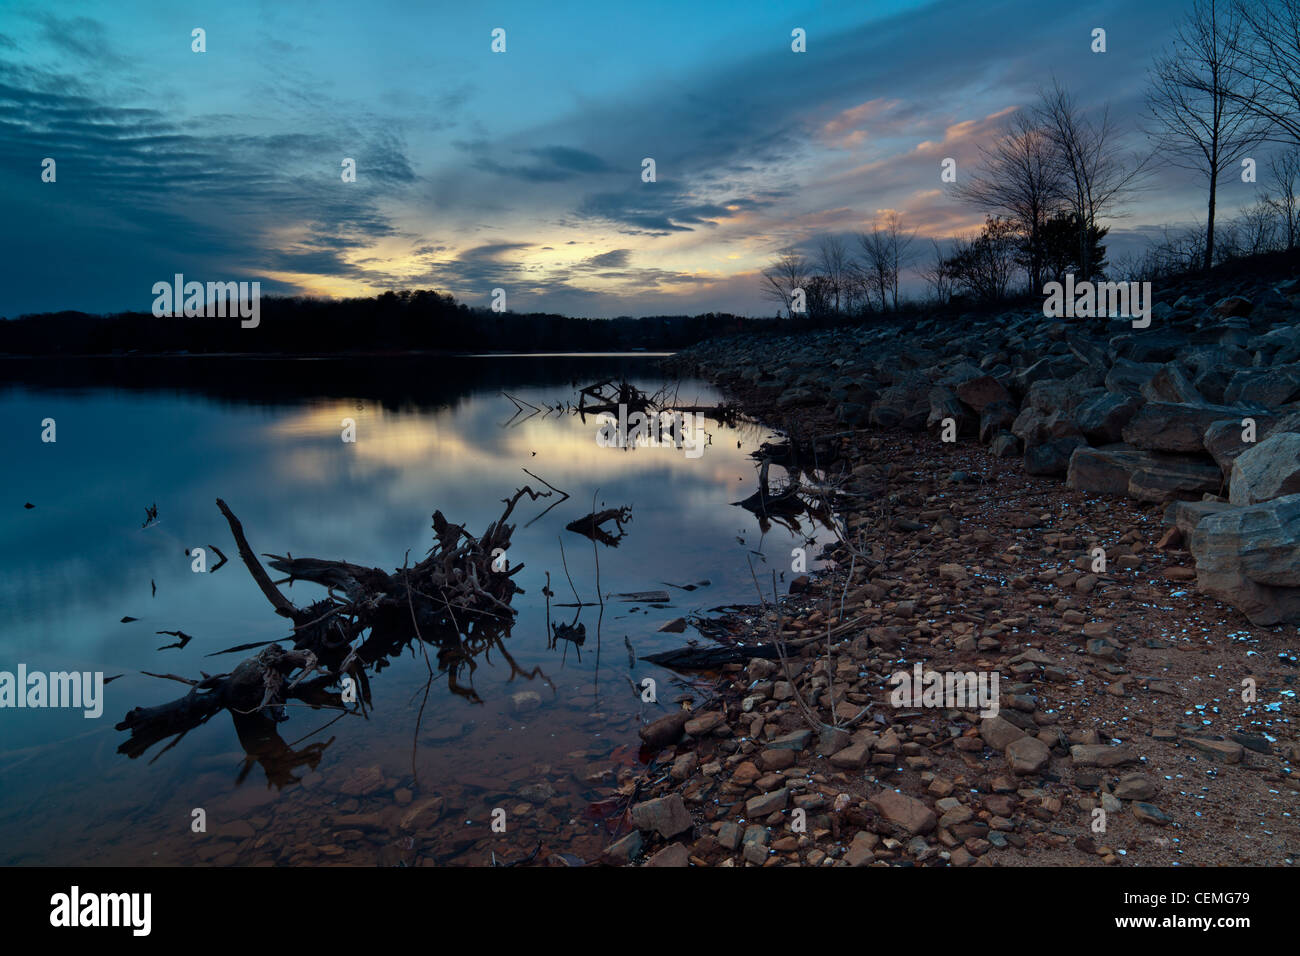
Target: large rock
(902, 406)
(1186, 515)
(1175, 426)
(999, 733)
(1224, 443)
(1269, 387)
(1171, 384)
(1102, 418)
(1106, 470)
(1052, 457)
(1127, 377)
(1249, 557)
(1101, 755)
(995, 418)
(944, 405)
(1168, 478)
(1054, 366)
(666, 816)
(1233, 305)
(1267, 470)
(1121, 469)
(907, 812)
(981, 392)
(666, 730)
(1027, 755)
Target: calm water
(265, 437)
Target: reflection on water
(534, 722)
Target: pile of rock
(1203, 407)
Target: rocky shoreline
(1140, 614)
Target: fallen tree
(457, 598)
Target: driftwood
(458, 597)
(695, 657)
(590, 526)
(766, 502)
(608, 396)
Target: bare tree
(1020, 177)
(1200, 100)
(1256, 229)
(898, 246)
(983, 266)
(1269, 49)
(833, 266)
(937, 273)
(886, 251)
(873, 267)
(1096, 178)
(1284, 201)
(790, 271)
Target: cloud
(553, 163)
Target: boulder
(1224, 443)
(666, 816)
(1233, 305)
(1175, 426)
(1027, 755)
(981, 392)
(1053, 366)
(944, 405)
(1186, 515)
(1127, 377)
(1171, 384)
(1106, 470)
(1004, 445)
(907, 812)
(1249, 557)
(1168, 478)
(1102, 418)
(997, 417)
(1052, 457)
(1269, 469)
(1269, 387)
(902, 406)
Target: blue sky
(519, 170)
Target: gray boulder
(1250, 558)
(1267, 470)
(1102, 418)
(1175, 426)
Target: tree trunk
(1209, 227)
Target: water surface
(265, 437)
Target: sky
(522, 169)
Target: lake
(453, 435)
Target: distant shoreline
(323, 356)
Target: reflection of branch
(181, 636)
(553, 488)
(519, 408)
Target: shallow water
(265, 437)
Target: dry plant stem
(283, 606)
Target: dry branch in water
(455, 598)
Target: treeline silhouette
(1223, 90)
(419, 320)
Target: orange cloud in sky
(844, 130)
